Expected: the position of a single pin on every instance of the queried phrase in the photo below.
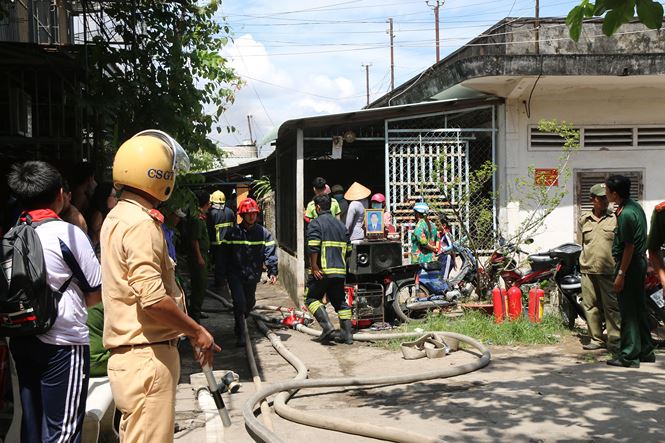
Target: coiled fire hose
(286, 389)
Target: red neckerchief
(38, 215)
(620, 208)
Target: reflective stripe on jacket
(247, 250)
(327, 236)
(221, 219)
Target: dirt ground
(530, 394)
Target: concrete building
(484, 102)
(610, 88)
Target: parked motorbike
(569, 281)
(560, 264)
(655, 302)
(504, 270)
(427, 289)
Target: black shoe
(649, 359)
(327, 329)
(621, 363)
(346, 332)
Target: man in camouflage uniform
(596, 233)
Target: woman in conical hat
(355, 216)
(357, 192)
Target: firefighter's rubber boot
(327, 328)
(346, 332)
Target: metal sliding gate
(425, 162)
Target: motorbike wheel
(567, 311)
(407, 291)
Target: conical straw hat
(357, 192)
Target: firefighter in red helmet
(247, 246)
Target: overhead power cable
(303, 92)
(376, 20)
(383, 46)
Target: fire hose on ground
(285, 390)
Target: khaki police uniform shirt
(137, 272)
(596, 236)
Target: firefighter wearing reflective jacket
(247, 247)
(328, 243)
(221, 219)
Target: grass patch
(482, 327)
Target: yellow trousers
(143, 382)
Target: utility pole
(249, 123)
(537, 26)
(436, 4)
(367, 80)
(392, 54)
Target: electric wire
(329, 51)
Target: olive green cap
(598, 190)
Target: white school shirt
(59, 238)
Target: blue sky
(302, 58)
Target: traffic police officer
(596, 233)
(143, 304)
(328, 243)
(221, 219)
(628, 251)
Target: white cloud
(283, 51)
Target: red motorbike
(503, 266)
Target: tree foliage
(159, 65)
(474, 202)
(616, 12)
(166, 72)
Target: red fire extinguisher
(514, 303)
(499, 300)
(536, 299)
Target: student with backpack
(50, 274)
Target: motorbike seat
(541, 262)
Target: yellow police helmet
(150, 161)
(218, 197)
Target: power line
(303, 92)
(415, 45)
(378, 20)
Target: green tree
(166, 72)
(163, 69)
(616, 12)
(473, 201)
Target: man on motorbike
(595, 234)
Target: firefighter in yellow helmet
(143, 304)
(221, 219)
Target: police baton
(216, 395)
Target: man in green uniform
(628, 248)
(595, 234)
(656, 241)
(199, 247)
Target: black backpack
(28, 305)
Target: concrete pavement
(545, 393)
